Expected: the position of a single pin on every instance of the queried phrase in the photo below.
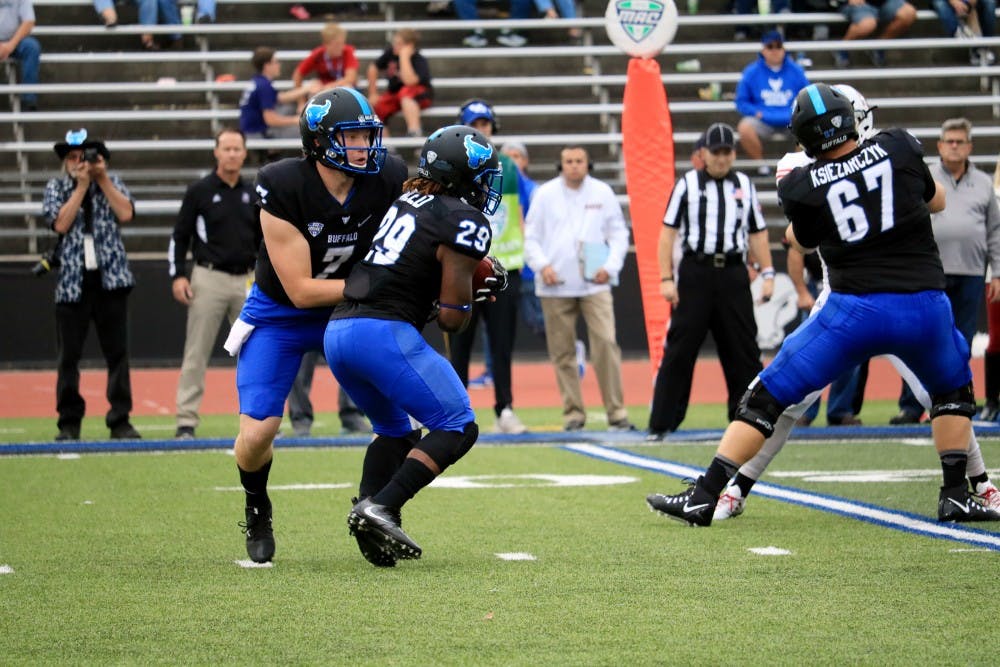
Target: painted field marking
(291, 487)
(880, 516)
(536, 479)
(67, 457)
(515, 555)
(250, 565)
(6, 569)
(769, 551)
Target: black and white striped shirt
(714, 215)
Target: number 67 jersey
(866, 211)
(400, 277)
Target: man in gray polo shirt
(17, 20)
(967, 232)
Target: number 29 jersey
(338, 233)
(400, 277)
(866, 212)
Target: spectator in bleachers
(17, 20)
(567, 10)
(264, 112)
(86, 205)
(466, 10)
(742, 31)
(205, 11)
(764, 95)
(333, 62)
(955, 17)
(151, 12)
(409, 82)
(865, 17)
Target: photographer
(85, 205)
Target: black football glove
(494, 284)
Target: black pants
(109, 311)
(716, 300)
(501, 324)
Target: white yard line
(881, 516)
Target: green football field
(533, 555)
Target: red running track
(32, 393)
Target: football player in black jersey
(867, 208)
(419, 267)
(318, 215)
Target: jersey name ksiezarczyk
(866, 212)
(338, 233)
(400, 276)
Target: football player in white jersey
(732, 502)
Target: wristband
(463, 307)
(668, 279)
(768, 273)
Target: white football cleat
(988, 495)
(730, 504)
(508, 422)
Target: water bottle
(692, 6)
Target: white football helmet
(864, 116)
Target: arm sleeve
(677, 207)
(422, 68)
(993, 233)
(272, 200)
(744, 98)
(534, 255)
(757, 221)
(616, 232)
(52, 201)
(469, 233)
(180, 240)
(267, 96)
(350, 58)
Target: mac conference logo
(641, 28)
(638, 17)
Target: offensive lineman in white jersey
(733, 499)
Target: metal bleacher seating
(158, 110)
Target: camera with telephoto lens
(91, 155)
(48, 261)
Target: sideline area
(32, 393)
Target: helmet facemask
(334, 148)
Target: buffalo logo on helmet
(315, 113)
(76, 137)
(476, 152)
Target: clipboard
(593, 256)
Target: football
(482, 272)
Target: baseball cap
(474, 110)
(719, 135)
(771, 36)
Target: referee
(715, 212)
(217, 221)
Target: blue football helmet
(466, 163)
(323, 122)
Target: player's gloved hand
(494, 284)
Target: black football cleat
(260, 535)
(382, 524)
(694, 507)
(371, 547)
(956, 504)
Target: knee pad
(960, 402)
(759, 408)
(447, 447)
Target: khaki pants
(216, 294)
(561, 314)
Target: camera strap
(89, 249)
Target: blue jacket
(769, 92)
